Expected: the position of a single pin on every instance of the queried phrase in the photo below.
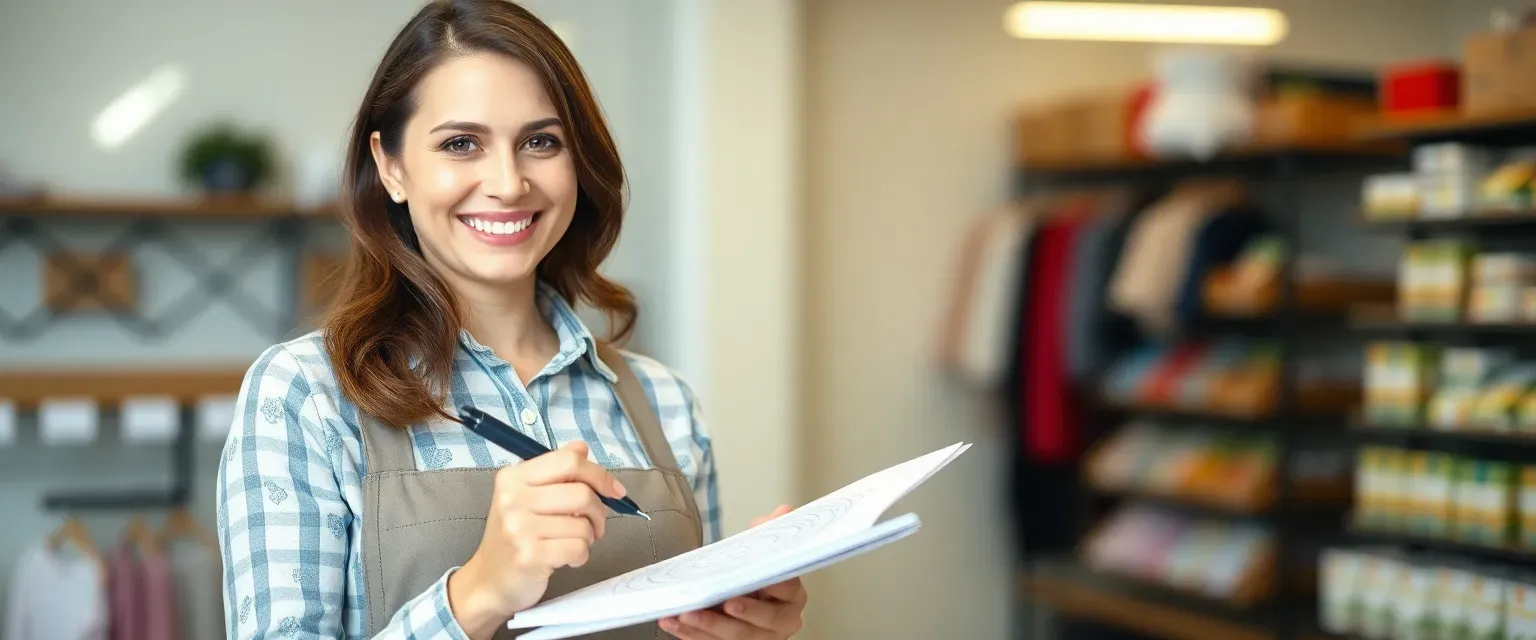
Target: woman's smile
(500, 228)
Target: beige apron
(418, 524)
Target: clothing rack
(1287, 614)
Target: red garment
(1052, 418)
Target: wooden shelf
(1512, 127)
(207, 209)
(1121, 604)
(1233, 158)
(109, 387)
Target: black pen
(503, 435)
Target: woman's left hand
(769, 614)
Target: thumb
(781, 510)
(579, 446)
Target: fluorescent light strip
(1121, 22)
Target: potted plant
(224, 160)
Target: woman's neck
(507, 320)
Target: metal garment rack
(1281, 616)
(275, 229)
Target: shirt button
(529, 417)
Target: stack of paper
(837, 526)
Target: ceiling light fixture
(1124, 22)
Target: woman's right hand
(545, 514)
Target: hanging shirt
(56, 595)
(199, 591)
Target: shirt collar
(576, 341)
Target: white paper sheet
(67, 421)
(837, 526)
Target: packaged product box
(1468, 499)
(1418, 498)
(1497, 67)
(1527, 507)
(1520, 609)
(1381, 573)
(1438, 488)
(1390, 196)
(1340, 594)
(1486, 608)
(1491, 501)
(1455, 589)
(1399, 378)
(1496, 406)
(1451, 409)
(1471, 367)
(1368, 509)
(1496, 303)
(1432, 280)
(1415, 616)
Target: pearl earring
(398, 198)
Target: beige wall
(906, 138)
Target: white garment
(984, 354)
(56, 595)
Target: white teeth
(498, 228)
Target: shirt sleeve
(282, 521)
(706, 490)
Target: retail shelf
(233, 208)
(1313, 423)
(1470, 222)
(1161, 612)
(26, 388)
(1514, 127)
(1312, 508)
(1260, 158)
(1384, 321)
(1500, 554)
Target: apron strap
(632, 400)
(386, 448)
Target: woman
(483, 191)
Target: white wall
(294, 70)
(907, 137)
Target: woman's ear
(389, 169)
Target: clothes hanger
(72, 531)
(181, 524)
(139, 534)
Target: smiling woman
(484, 190)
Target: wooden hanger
(181, 524)
(140, 535)
(73, 532)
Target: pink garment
(142, 595)
(159, 599)
(125, 580)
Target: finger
(564, 552)
(721, 625)
(758, 613)
(531, 526)
(791, 590)
(569, 464)
(570, 498)
(781, 510)
(685, 632)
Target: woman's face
(485, 170)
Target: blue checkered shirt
(290, 492)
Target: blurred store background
(1238, 303)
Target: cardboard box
(1499, 69)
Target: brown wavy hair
(392, 332)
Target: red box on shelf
(1420, 87)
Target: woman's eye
(543, 142)
(459, 146)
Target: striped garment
(290, 490)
